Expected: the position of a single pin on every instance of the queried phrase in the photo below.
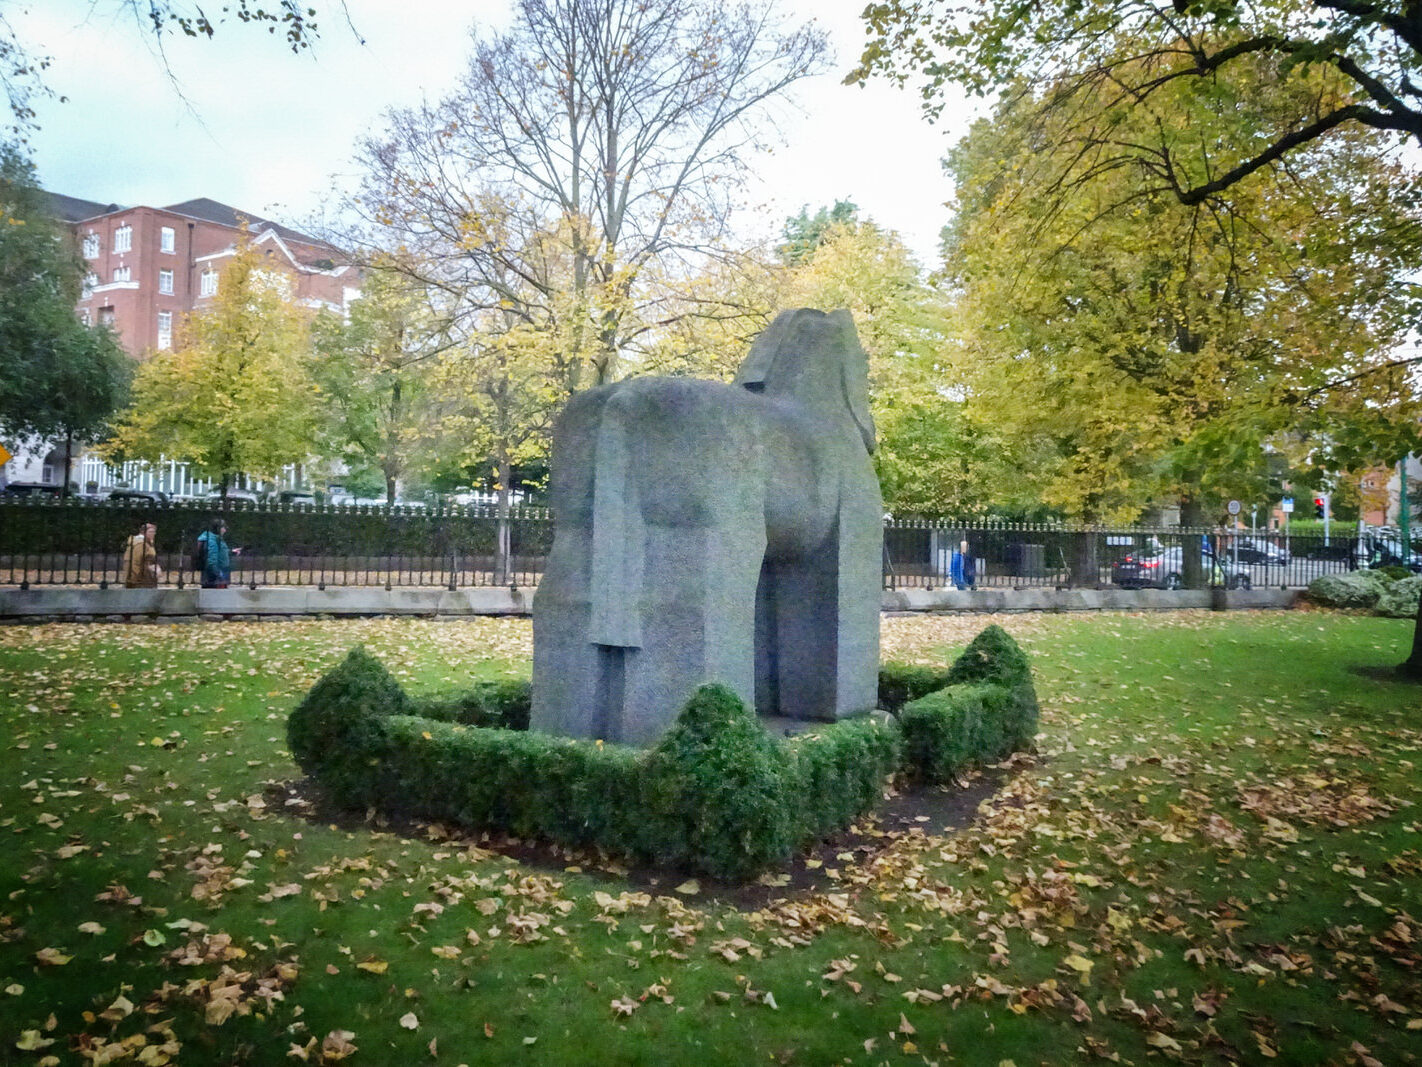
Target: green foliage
(804, 233)
(716, 786)
(337, 732)
(58, 377)
(901, 682)
(374, 370)
(502, 704)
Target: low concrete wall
(58, 603)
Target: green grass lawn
(1216, 855)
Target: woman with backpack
(213, 556)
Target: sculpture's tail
(618, 538)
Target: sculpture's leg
(859, 592)
(825, 640)
(567, 668)
(699, 622)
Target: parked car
(31, 489)
(138, 496)
(1382, 550)
(235, 495)
(1257, 550)
(296, 496)
(1164, 570)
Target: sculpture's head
(815, 357)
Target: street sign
(1286, 505)
(5, 455)
(1233, 507)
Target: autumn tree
(1131, 347)
(59, 378)
(375, 371)
(236, 395)
(592, 141)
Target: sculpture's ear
(755, 368)
(854, 376)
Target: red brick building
(148, 266)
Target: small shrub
(504, 704)
(716, 789)
(992, 656)
(901, 682)
(1394, 571)
(1354, 589)
(1399, 600)
(338, 729)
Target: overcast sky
(244, 121)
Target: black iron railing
(45, 541)
(50, 542)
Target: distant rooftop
(74, 209)
(223, 215)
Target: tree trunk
(68, 462)
(502, 569)
(390, 490)
(1085, 570)
(1411, 667)
(1192, 570)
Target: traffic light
(1318, 507)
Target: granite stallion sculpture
(712, 532)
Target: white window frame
(167, 239)
(91, 280)
(123, 238)
(165, 329)
(165, 282)
(207, 283)
(92, 245)
(123, 274)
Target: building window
(122, 274)
(165, 282)
(165, 329)
(208, 285)
(90, 280)
(91, 245)
(106, 316)
(166, 239)
(84, 316)
(123, 238)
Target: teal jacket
(218, 565)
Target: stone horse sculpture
(711, 532)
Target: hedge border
(716, 795)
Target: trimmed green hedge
(901, 682)
(717, 794)
(988, 710)
(505, 704)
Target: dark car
(138, 496)
(1258, 550)
(31, 489)
(1163, 570)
